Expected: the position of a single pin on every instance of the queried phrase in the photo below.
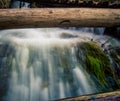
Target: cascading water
(46, 64)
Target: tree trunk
(59, 17)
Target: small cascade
(54, 63)
(98, 31)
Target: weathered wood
(58, 17)
(103, 96)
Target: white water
(44, 66)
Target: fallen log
(59, 17)
(103, 96)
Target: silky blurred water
(44, 65)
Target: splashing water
(43, 65)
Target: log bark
(103, 96)
(59, 17)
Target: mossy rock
(96, 62)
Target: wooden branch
(59, 17)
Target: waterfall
(42, 65)
(98, 30)
(18, 3)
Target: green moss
(95, 66)
(96, 62)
